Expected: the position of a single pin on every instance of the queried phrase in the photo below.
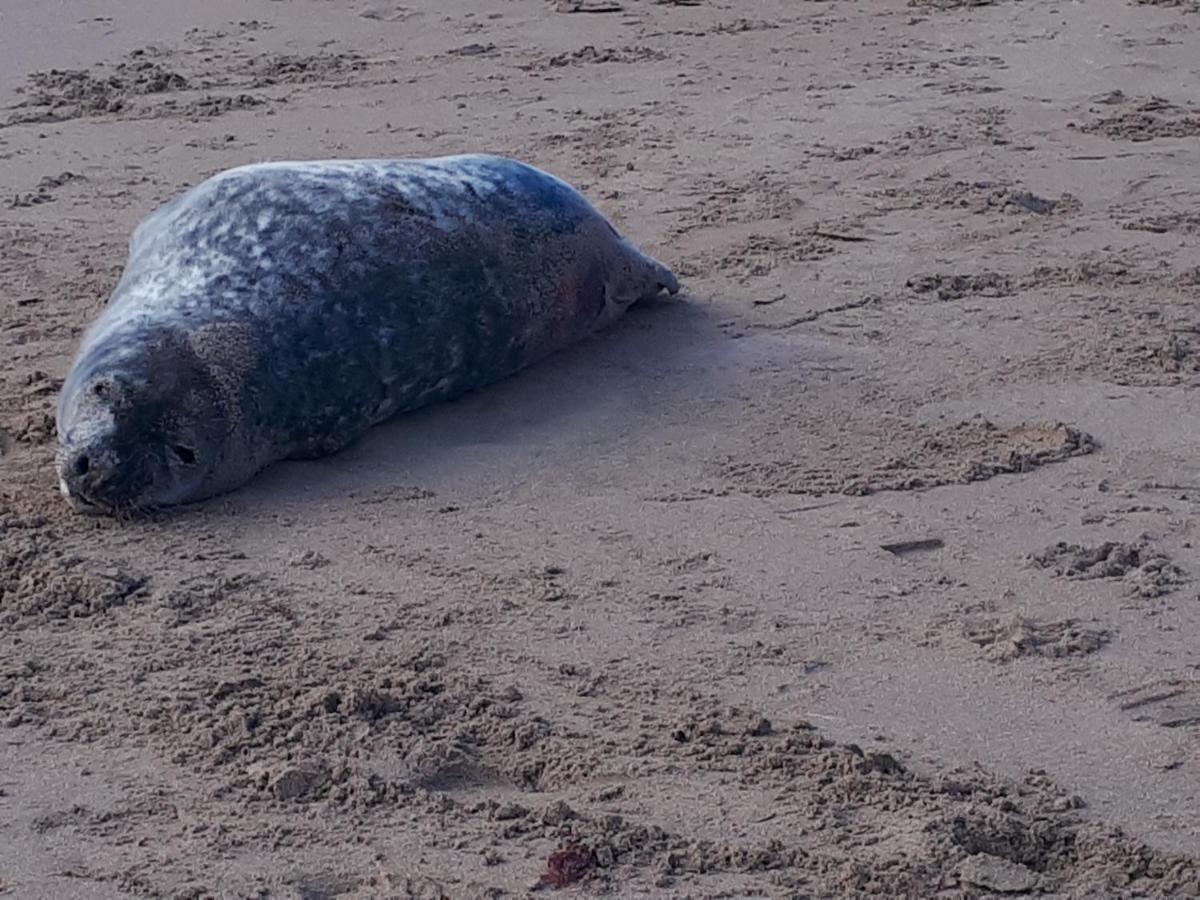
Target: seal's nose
(83, 474)
(81, 465)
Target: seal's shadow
(611, 390)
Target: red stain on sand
(567, 865)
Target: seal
(279, 310)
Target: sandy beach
(866, 566)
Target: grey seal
(279, 310)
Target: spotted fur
(279, 310)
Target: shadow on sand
(655, 373)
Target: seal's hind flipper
(645, 277)
(658, 279)
(666, 278)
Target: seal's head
(140, 425)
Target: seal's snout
(86, 476)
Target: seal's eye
(185, 455)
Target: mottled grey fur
(280, 310)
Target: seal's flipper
(665, 277)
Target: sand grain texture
(864, 569)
